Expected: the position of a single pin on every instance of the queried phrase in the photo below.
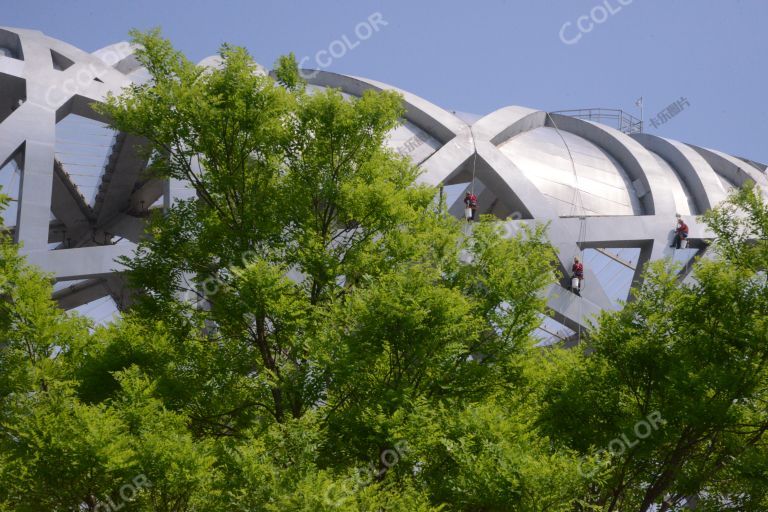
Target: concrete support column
(35, 195)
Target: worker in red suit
(681, 233)
(578, 273)
(470, 205)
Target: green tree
(65, 445)
(313, 332)
(692, 354)
(330, 295)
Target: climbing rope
(472, 184)
(576, 204)
(474, 160)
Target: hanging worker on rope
(681, 235)
(470, 205)
(578, 276)
(577, 210)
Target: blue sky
(483, 55)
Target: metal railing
(614, 117)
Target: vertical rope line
(577, 200)
(474, 159)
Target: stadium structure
(611, 194)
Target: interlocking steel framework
(529, 167)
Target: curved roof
(603, 186)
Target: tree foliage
(693, 353)
(312, 331)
